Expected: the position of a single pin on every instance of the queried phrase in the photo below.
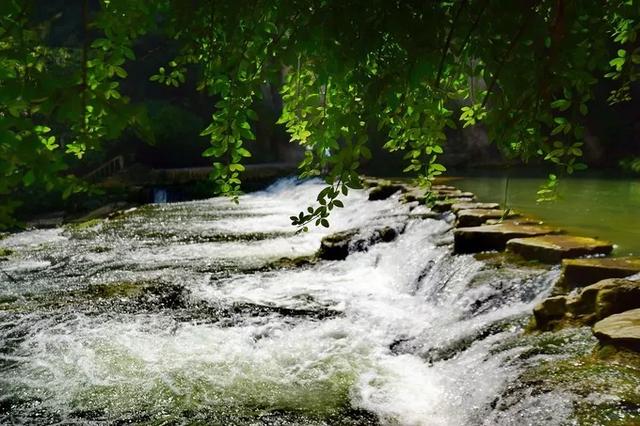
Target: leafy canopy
(526, 70)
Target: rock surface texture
(583, 272)
(476, 217)
(494, 237)
(554, 248)
(620, 329)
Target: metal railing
(106, 170)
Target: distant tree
(524, 69)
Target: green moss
(508, 259)
(605, 381)
(85, 225)
(4, 252)
(119, 289)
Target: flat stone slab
(476, 217)
(442, 206)
(446, 194)
(443, 188)
(620, 329)
(469, 206)
(554, 248)
(494, 237)
(583, 272)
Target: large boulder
(620, 329)
(549, 310)
(593, 303)
(583, 272)
(493, 237)
(554, 248)
(604, 298)
(476, 217)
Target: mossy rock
(607, 388)
(120, 289)
(291, 263)
(79, 226)
(5, 252)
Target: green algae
(5, 252)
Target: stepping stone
(476, 217)
(442, 206)
(494, 237)
(583, 272)
(516, 221)
(443, 188)
(554, 248)
(445, 195)
(469, 206)
(620, 329)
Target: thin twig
(448, 42)
(8, 275)
(506, 57)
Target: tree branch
(448, 42)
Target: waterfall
(180, 313)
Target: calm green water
(595, 207)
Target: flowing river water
(184, 314)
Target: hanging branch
(474, 25)
(85, 57)
(507, 56)
(447, 44)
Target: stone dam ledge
(594, 291)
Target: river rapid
(183, 314)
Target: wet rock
(493, 237)
(620, 329)
(102, 212)
(415, 195)
(583, 272)
(476, 217)
(593, 303)
(551, 309)
(443, 188)
(605, 298)
(290, 263)
(338, 246)
(454, 195)
(442, 206)
(554, 248)
(474, 205)
(385, 190)
(516, 221)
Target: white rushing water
(404, 333)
